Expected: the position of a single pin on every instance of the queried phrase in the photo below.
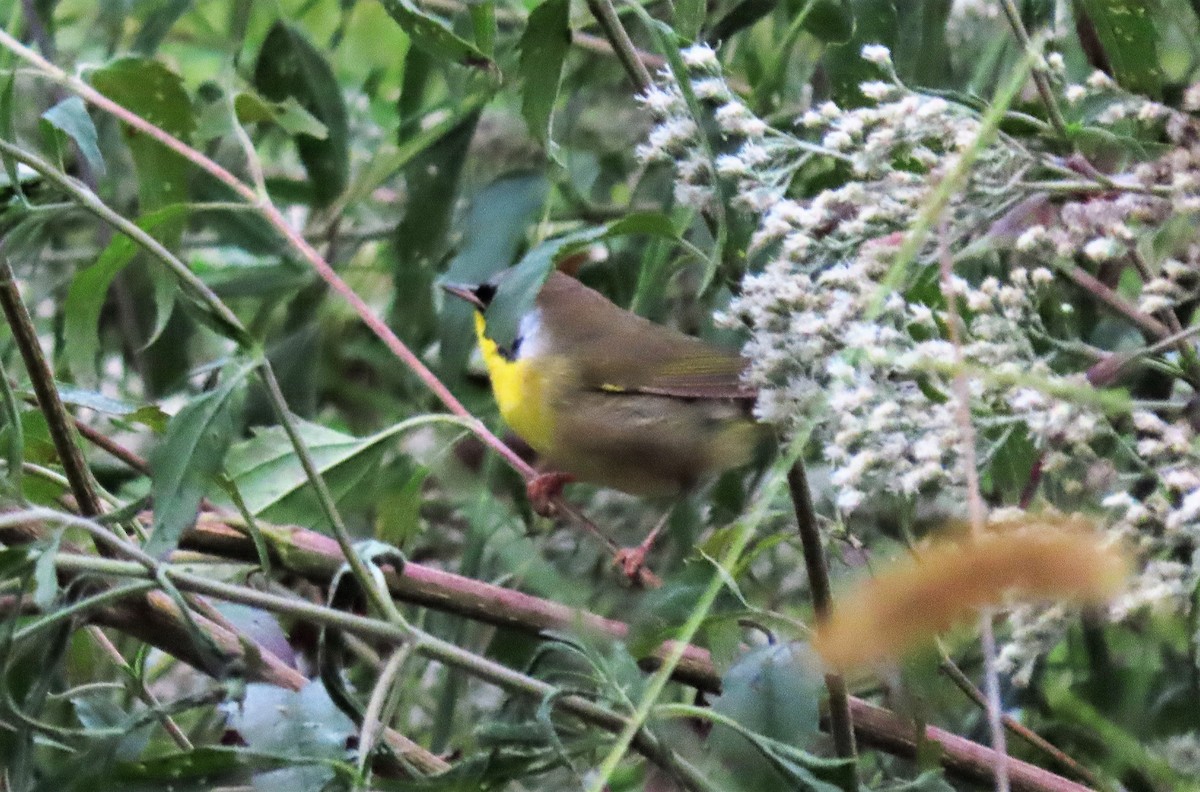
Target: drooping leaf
(71, 117)
(543, 46)
(156, 93)
(188, 457)
(86, 295)
(290, 66)
(433, 35)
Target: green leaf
(45, 576)
(150, 89)
(290, 67)
(305, 726)
(158, 23)
(289, 114)
(273, 483)
(189, 456)
(741, 16)
(71, 117)
(517, 290)
(399, 511)
(86, 295)
(149, 414)
(434, 36)
(493, 230)
(543, 46)
(830, 21)
(421, 239)
(689, 18)
(1130, 40)
(774, 690)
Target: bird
(608, 397)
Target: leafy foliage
(271, 458)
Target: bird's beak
(464, 292)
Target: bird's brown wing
(618, 351)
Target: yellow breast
(522, 392)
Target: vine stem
(315, 557)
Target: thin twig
(58, 420)
(963, 683)
(614, 31)
(841, 724)
(1039, 69)
(139, 687)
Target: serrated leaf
(86, 295)
(1130, 40)
(71, 117)
(543, 47)
(290, 66)
(188, 458)
(517, 290)
(434, 36)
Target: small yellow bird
(605, 396)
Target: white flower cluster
(1158, 512)
(869, 370)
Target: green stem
(741, 539)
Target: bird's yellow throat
(521, 390)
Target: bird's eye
(485, 292)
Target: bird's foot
(544, 488)
(632, 560)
